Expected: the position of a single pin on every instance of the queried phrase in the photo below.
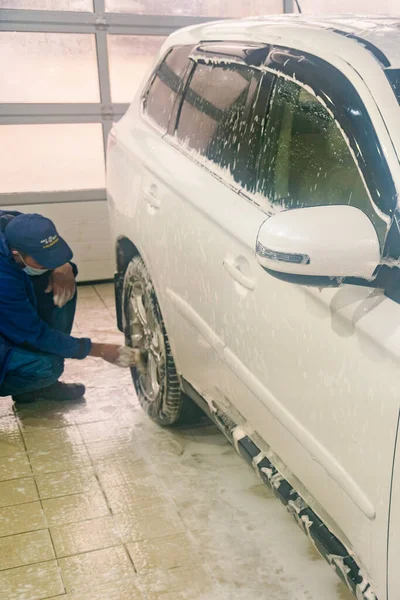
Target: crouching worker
(37, 308)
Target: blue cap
(37, 237)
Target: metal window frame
(100, 24)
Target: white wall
(85, 226)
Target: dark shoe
(26, 398)
(62, 392)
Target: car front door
(313, 372)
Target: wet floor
(99, 503)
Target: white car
(253, 188)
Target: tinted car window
(214, 120)
(394, 79)
(160, 97)
(311, 163)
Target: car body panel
(311, 373)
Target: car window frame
(146, 90)
(271, 148)
(311, 72)
(240, 54)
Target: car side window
(311, 163)
(214, 121)
(160, 96)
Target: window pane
(238, 8)
(206, 8)
(215, 119)
(77, 5)
(130, 56)
(161, 96)
(338, 7)
(312, 164)
(48, 67)
(40, 158)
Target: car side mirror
(320, 245)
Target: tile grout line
(16, 479)
(57, 427)
(51, 537)
(23, 532)
(187, 531)
(47, 528)
(141, 588)
(22, 503)
(57, 558)
(25, 446)
(101, 299)
(51, 540)
(104, 493)
(130, 557)
(93, 464)
(36, 487)
(46, 522)
(42, 562)
(105, 497)
(48, 498)
(81, 520)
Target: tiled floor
(98, 503)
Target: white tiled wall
(85, 226)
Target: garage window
(160, 97)
(51, 157)
(48, 67)
(130, 58)
(215, 119)
(195, 8)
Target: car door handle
(235, 272)
(150, 197)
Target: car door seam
(390, 503)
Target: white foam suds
(237, 435)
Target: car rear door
(200, 198)
(158, 190)
(313, 371)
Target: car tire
(157, 383)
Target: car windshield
(394, 78)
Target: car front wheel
(157, 384)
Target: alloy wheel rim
(145, 335)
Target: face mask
(31, 271)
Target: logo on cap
(50, 241)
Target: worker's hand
(62, 284)
(121, 356)
(108, 352)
